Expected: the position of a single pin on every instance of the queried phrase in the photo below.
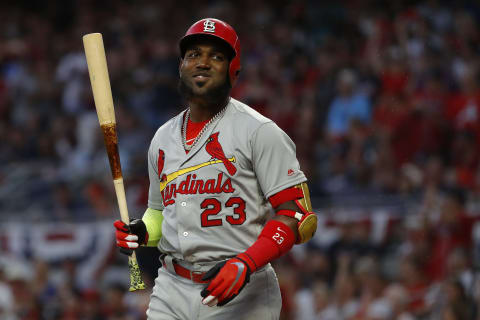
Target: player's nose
(203, 62)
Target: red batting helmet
(222, 30)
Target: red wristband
(275, 239)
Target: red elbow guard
(285, 195)
(275, 240)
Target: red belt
(195, 276)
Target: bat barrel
(99, 79)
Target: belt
(195, 276)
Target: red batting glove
(128, 236)
(229, 278)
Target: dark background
(381, 98)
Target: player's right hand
(131, 236)
(228, 279)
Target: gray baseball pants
(175, 297)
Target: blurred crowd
(381, 97)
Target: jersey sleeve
(274, 159)
(154, 195)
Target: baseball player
(226, 196)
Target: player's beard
(213, 96)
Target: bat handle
(121, 199)
(136, 282)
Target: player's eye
(218, 57)
(192, 54)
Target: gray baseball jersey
(214, 199)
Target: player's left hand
(130, 237)
(229, 278)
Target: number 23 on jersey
(213, 206)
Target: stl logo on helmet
(209, 26)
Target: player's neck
(201, 111)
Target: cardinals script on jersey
(192, 185)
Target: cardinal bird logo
(160, 162)
(214, 149)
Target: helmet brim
(188, 40)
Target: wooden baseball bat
(102, 94)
